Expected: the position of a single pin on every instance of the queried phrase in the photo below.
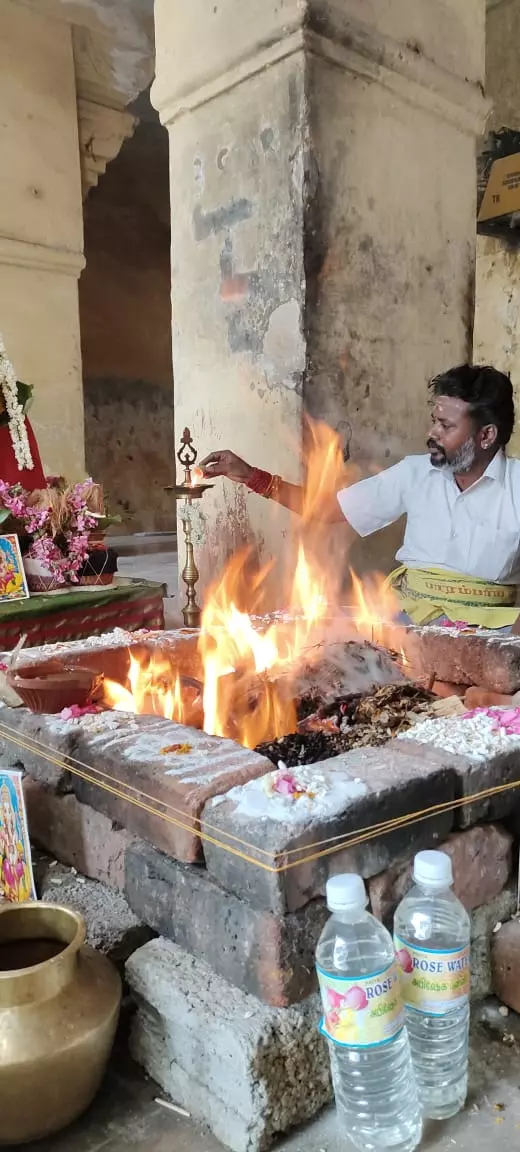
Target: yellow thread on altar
(336, 843)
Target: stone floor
(127, 1118)
(152, 557)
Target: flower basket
(99, 568)
(39, 578)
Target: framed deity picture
(16, 874)
(13, 583)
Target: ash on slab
(355, 793)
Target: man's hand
(227, 464)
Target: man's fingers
(212, 463)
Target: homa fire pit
(224, 850)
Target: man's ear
(488, 436)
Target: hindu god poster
(16, 874)
(13, 584)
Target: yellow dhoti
(427, 593)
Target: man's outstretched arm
(264, 484)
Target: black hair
(488, 392)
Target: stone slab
(482, 860)
(112, 927)
(489, 661)
(270, 956)
(150, 775)
(249, 1072)
(361, 789)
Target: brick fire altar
(230, 874)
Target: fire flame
(249, 669)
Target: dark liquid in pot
(16, 954)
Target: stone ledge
(386, 783)
(197, 1036)
(271, 957)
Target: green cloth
(43, 603)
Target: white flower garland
(17, 425)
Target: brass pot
(59, 1008)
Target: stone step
(196, 1035)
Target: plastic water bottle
(376, 1096)
(432, 935)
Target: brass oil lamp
(189, 491)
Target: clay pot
(59, 1008)
(53, 690)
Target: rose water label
(433, 980)
(361, 1012)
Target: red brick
(128, 760)
(76, 834)
(491, 662)
(482, 862)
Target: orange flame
(250, 668)
(153, 689)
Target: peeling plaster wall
(126, 333)
(391, 265)
(497, 293)
(238, 296)
(497, 314)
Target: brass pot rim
(69, 949)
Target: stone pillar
(497, 301)
(41, 237)
(323, 226)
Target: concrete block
(76, 834)
(270, 956)
(505, 964)
(358, 791)
(249, 1072)
(482, 862)
(483, 922)
(112, 927)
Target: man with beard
(460, 558)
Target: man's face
(453, 441)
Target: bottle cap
(347, 891)
(433, 870)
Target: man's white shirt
(476, 532)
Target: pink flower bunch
(460, 624)
(62, 553)
(286, 784)
(74, 712)
(506, 719)
(14, 498)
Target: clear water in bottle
(376, 1097)
(431, 937)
